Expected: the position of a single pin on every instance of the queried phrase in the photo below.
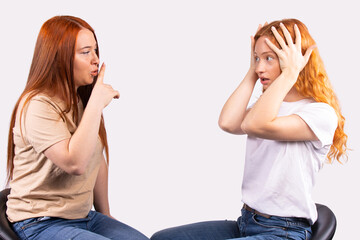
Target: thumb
(308, 52)
(100, 78)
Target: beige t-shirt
(40, 188)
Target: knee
(158, 236)
(164, 235)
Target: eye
(269, 58)
(85, 52)
(257, 59)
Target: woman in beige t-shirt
(56, 168)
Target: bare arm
(73, 155)
(234, 110)
(101, 200)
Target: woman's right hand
(234, 110)
(102, 93)
(252, 57)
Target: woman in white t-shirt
(293, 128)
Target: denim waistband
(294, 220)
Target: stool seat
(325, 226)
(6, 231)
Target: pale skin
(73, 155)
(278, 70)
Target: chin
(90, 81)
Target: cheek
(80, 71)
(80, 62)
(275, 69)
(76, 66)
(79, 67)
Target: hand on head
(290, 55)
(252, 60)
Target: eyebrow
(268, 52)
(87, 47)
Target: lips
(94, 73)
(264, 80)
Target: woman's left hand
(290, 55)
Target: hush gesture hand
(102, 93)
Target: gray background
(175, 63)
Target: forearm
(234, 109)
(101, 200)
(267, 107)
(83, 142)
(73, 155)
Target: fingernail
(273, 28)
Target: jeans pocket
(30, 228)
(268, 222)
(33, 221)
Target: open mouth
(264, 80)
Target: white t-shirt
(279, 175)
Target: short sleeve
(322, 120)
(43, 124)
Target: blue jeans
(94, 226)
(249, 226)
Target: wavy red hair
(51, 72)
(313, 80)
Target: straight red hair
(313, 80)
(51, 72)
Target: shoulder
(47, 99)
(40, 105)
(43, 101)
(321, 118)
(320, 110)
(318, 106)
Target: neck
(293, 96)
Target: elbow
(229, 126)
(76, 170)
(256, 129)
(248, 128)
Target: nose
(259, 67)
(95, 59)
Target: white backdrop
(175, 63)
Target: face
(86, 61)
(267, 65)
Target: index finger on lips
(101, 74)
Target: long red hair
(51, 72)
(313, 80)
